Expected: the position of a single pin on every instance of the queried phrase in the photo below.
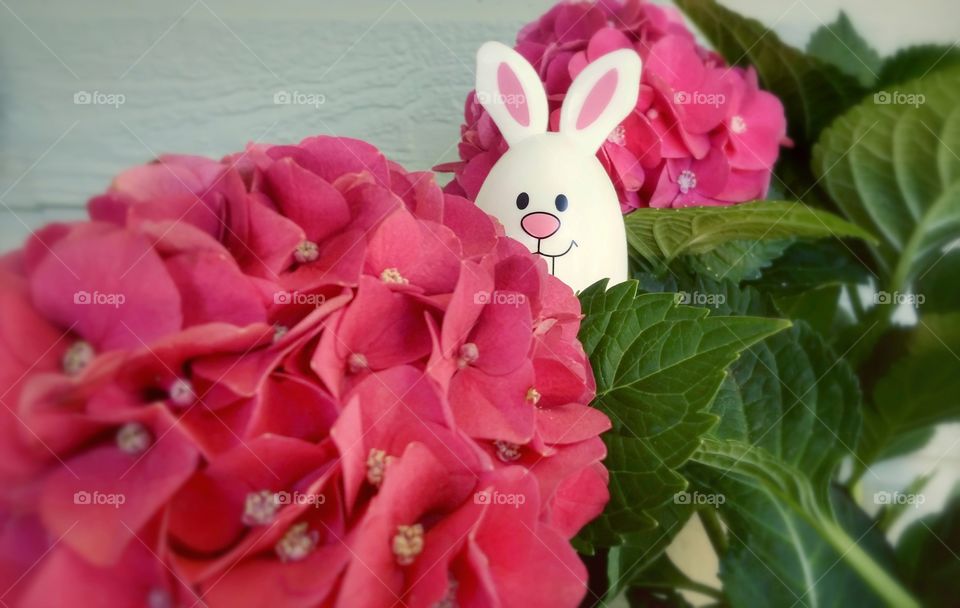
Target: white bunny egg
(549, 190)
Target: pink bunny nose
(540, 225)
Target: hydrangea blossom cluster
(702, 133)
(299, 376)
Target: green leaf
(812, 91)
(892, 169)
(927, 553)
(788, 545)
(812, 265)
(808, 282)
(665, 234)
(738, 260)
(841, 45)
(795, 399)
(920, 391)
(658, 365)
(939, 285)
(916, 62)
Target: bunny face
(549, 190)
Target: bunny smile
(553, 257)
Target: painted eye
(523, 199)
(562, 202)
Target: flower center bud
(279, 331)
(181, 392)
(357, 362)
(133, 438)
(392, 275)
(306, 251)
(469, 353)
(78, 357)
(687, 181)
(533, 396)
(618, 136)
(506, 451)
(297, 543)
(738, 125)
(377, 463)
(260, 508)
(652, 114)
(408, 543)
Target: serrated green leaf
(891, 168)
(790, 546)
(658, 366)
(797, 400)
(665, 234)
(916, 62)
(841, 45)
(812, 91)
(738, 260)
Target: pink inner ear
(598, 99)
(512, 96)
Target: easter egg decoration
(549, 189)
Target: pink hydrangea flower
(690, 105)
(299, 376)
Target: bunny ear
(510, 90)
(600, 98)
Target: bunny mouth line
(553, 257)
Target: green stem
(889, 590)
(714, 528)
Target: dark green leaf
(796, 399)
(928, 556)
(810, 265)
(841, 45)
(916, 62)
(789, 546)
(891, 167)
(920, 390)
(658, 366)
